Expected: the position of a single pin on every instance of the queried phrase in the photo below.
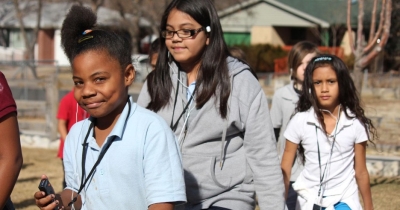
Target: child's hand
(46, 202)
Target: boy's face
(101, 86)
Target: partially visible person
(284, 103)
(10, 149)
(123, 156)
(238, 53)
(69, 113)
(153, 52)
(331, 132)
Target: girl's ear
(208, 40)
(129, 75)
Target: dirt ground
(36, 162)
(44, 161)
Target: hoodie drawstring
(222, 157)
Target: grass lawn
(385, 191)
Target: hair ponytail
(78, 20)
(79, 34)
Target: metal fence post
(52, 106)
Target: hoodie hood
(235, 66)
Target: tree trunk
(366, 53)
(358, 74)
(29, 44)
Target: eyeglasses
(183, 33)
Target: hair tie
(323, 59)
(85, 36)
(87, 31)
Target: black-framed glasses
(183, 33)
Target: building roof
(241, 17)
(53, 15)
(332, 11)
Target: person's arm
(161, 206)
(62, 128)
(162, 167)
(10, 155)
(287, 163)
(362, 175)
(262, 155)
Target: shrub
(349, 61)
(261, 56)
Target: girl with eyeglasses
(218, 111)
(331, 132)
(123, 156)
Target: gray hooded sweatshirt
(226, 172)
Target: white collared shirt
(304, 128)
(141, 167)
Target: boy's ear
(129, 75)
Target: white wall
(9, 54)
(265, 35)
(59, 54)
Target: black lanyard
(172, 125)
(102, 153)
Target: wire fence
(38, 86)
(35, 88)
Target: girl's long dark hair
(348, 95)
(213, 76)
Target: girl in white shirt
(331, 132)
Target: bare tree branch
(384, 36)
(373, 20)
(360, 20)
(36, 29)
(364, 56)
(29, 44)
(21, 22)
(372, 41)
(351, 40)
